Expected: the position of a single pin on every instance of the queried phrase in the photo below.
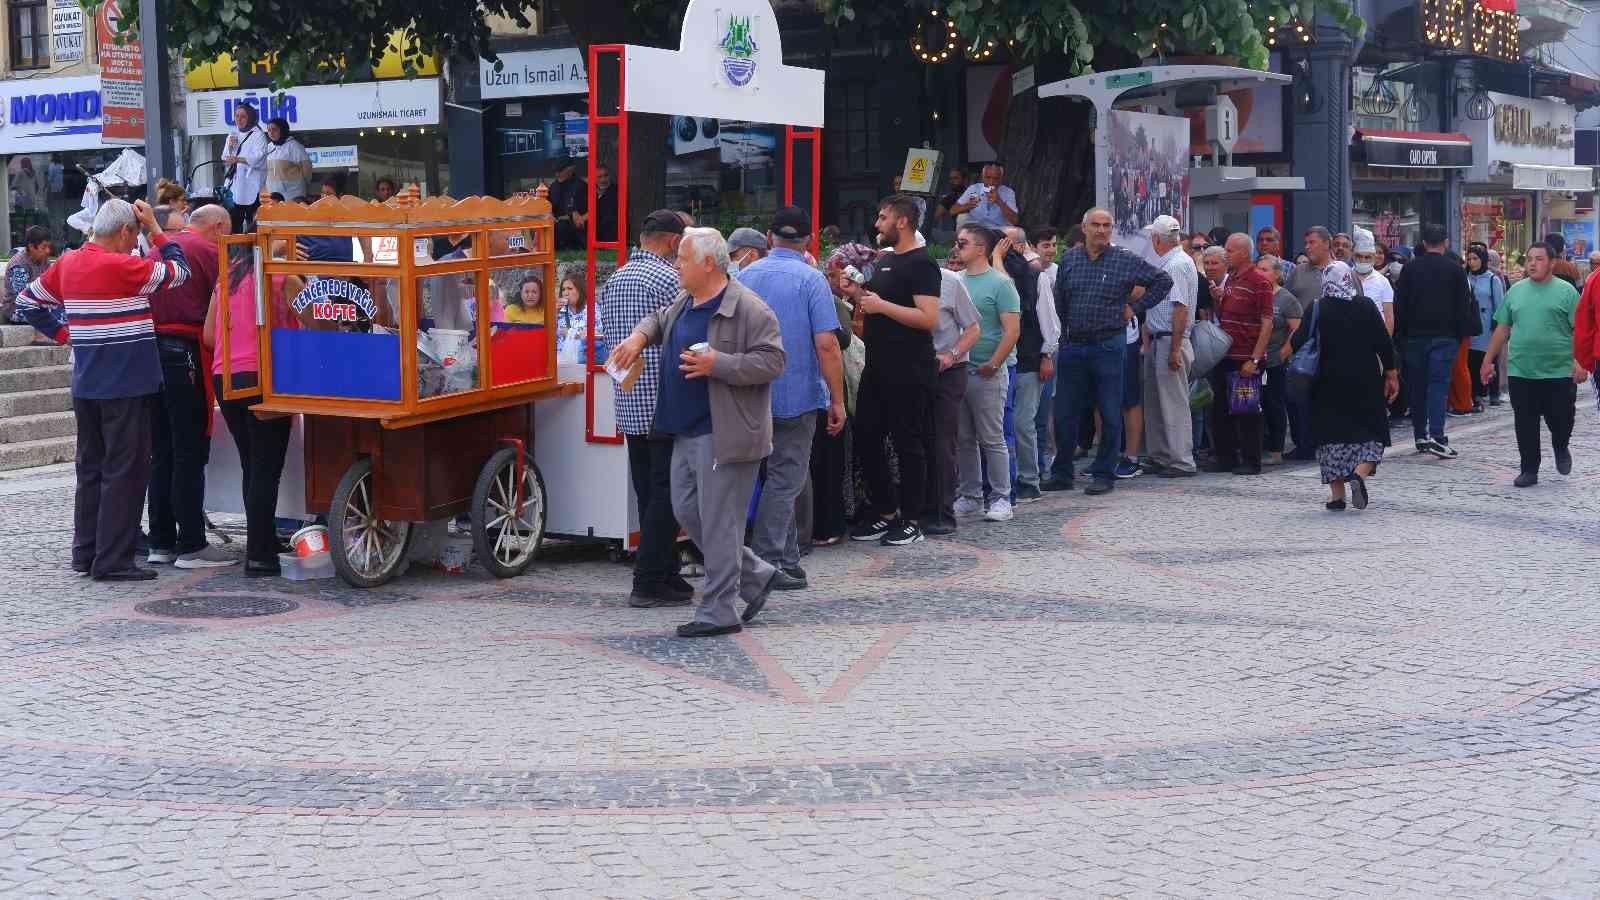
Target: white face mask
(1364, 268)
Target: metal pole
(160, 130)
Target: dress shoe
(938, 527)
(1052, 484)
(1527, 479)
(655, 596)
(132, 573)
(1175, 472)
(759, 601)
(706, 629)
(1099, 486)
(788, 582)
(254, 569)
(1564, 462)
(1246, 469)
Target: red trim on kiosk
(619, 243)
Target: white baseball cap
(1166, 226)
(1364, 242)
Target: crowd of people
(786, 403)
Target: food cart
(414, 373)
(728, 66)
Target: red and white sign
(121, 79)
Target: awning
(1525, 177)
(1415, 149)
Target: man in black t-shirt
(898, 309)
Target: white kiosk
(728, 65)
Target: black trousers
(244, 216)
(1479, 389)
(1553, 399)
(263, 444)
(888, 408)
(1237, 438)
(827, 481)
(951, 389)
(113, 466)
(179, 450)
(650, 465)
(1274, 407)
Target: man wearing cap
(745, 246)
(1168, 424)
(646, 283)
(812, 382)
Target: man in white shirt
(1373, 283)
(1036, 361)
(1168, 425)
(989, 202)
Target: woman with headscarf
(1354, 381)
(288, 163)
(246, 157)
(1487, 294)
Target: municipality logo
(738, 46)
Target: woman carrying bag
(247, 160)
(1344, 350)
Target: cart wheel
(504, 536)
(367, 551)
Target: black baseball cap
(662, 221)
(791, 223)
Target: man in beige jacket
(722, 349)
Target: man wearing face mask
(745, 246)
(1373, 283)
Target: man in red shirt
(1244, 310)
(180, 417)
(1586, 328)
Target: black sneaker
(1027, 493)
(1100, 486)
(1051, 485)
(901, 534)
(1564, 462)
(871, 531)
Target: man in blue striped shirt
(104, 294)
(812, 380)
(647, 282)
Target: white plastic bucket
(309, 541)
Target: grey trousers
(983, 419)
(1029, 391)
(1168, 425)
(776, 534)
(711, 499)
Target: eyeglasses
(962, 243)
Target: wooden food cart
(413, 337)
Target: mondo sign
(48, 114)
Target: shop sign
(66, 31)
(1418, 153)
(323, 107)
(533, 73)
(226, 72)
(320, 294)
(1552, 178)
(48, 114)
(121, 79)
(344, 157)
(1525, 131)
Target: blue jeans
(1089, 375)
(1428, 364)
(1041, 421)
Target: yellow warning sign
(921, 171)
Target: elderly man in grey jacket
(722, 350)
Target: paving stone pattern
(1205, 688)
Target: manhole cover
(205, 606)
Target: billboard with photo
(1149, 174)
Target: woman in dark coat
(1355, 382)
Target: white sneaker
(999, 510)
(159, 557)
(207, 557)
(967, 508)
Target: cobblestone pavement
(1208, 687)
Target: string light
(977, 53)
(928, 53)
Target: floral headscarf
(859, 255)
(1338, 281)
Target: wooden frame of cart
(415, 370)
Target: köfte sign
(323, 107)
(49, 114)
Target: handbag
(1200, 394)
(1301, 372)
(1210, 344)
(1244, 394)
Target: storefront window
(1503, 221)
(1394, 218)
(725, 173)
(46, 188)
